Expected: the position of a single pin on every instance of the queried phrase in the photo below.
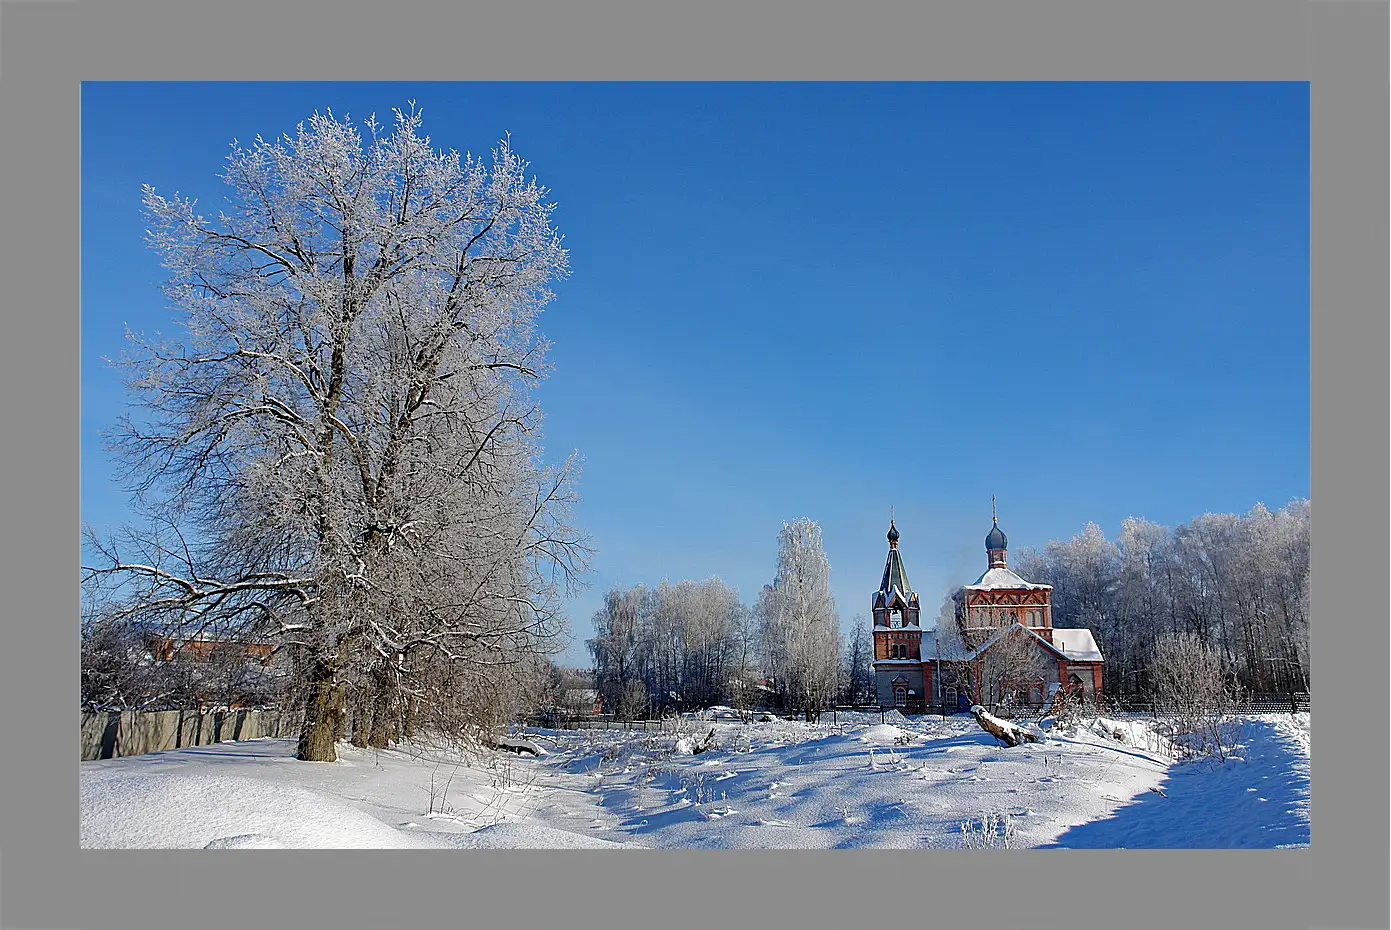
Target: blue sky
(823, 300)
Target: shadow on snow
(1259, 801)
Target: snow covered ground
(859, 783)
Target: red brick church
(1007, 648)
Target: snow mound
(884, 733)
(893, 717)
(121, 810)
(532, 835)
(1126, 732)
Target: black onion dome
(893, 532)
(996, 539)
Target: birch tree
(339, 450)
(800, 629)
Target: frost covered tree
(799, 626)
(339, 451)
(1237, 582)
(951, 620)
(1194, 691)
(681, 642)
(1141, 599)
(857, 664)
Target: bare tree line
(1238, 584)
(693, 644)
(671, 647)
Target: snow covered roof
(1077, 645)
(1073, 645)
(1003, 578)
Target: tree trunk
(361, 721)
(383, 730)
(1002, 730)
(342, 731)
(323, 716)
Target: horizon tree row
(694, 643)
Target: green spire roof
(895, 578)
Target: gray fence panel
(112, 734)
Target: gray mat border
(47, 48)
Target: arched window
(900, 695)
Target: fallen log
(1010, 734)
(518, 746)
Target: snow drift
(147, 811)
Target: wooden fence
(111, 734)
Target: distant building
(206, 647)
(911, 670)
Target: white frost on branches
(340, 449)
(797, 615)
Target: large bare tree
(339, 450)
